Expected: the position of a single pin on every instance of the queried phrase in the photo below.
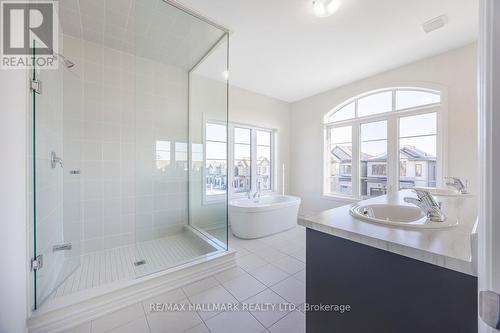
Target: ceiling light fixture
(325, 8)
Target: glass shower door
(164, 136)
(56, 180)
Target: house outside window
(387, 140)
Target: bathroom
(226, 155)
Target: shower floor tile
(104, 267)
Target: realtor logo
(29, 34)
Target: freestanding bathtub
(255, 218)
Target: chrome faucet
(426, 202)
(457, 184)
(257, 193)
(55, 160)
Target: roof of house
(344, 154)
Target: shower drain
(140, 262)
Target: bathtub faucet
(257, 193)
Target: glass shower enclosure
(122, 174)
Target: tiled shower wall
(133, 115)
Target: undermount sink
(397, 215)
(443, 192)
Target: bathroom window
(242, 160)
(215, 160)
(264, 139)
(251, 158)
(339, 178)
(373, 158)
(418, 149)
(382, 141)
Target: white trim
(489, 158)
(83, 307)
(340, 198)
(377, 91)
(392, 117)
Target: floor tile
(215, 295)
(229, 274)
(168, 297)
(200, 286)
(83, 328)
(270, 254)
(290, 265)
(250, 261)
(295, 322)
(274, 313)
(240, 252)
(137, 326)
(232, 322)
(173, 321)
(244, 286)
(269, 274)
(300, 255)
(117, 318)
(202, 328)
(252, 244)
(287, 246)
(301, 276)
(292, 290)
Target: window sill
(214, 200)
(340, 198)
(243, 195)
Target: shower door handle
(62, 247)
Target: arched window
(381, 141)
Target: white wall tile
(126, 103)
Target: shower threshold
(108, 280)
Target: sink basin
(443, 192)
(397, 215)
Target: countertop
(449, 248)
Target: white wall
(455, 70)
(13, 194)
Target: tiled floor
(270, 270)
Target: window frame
(392, 118)
(230, 127)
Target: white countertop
(449, 248)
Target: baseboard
(65, 314)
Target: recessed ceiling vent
(435, 23)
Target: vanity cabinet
(386, 292)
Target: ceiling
(148, 28)
(280, 49)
